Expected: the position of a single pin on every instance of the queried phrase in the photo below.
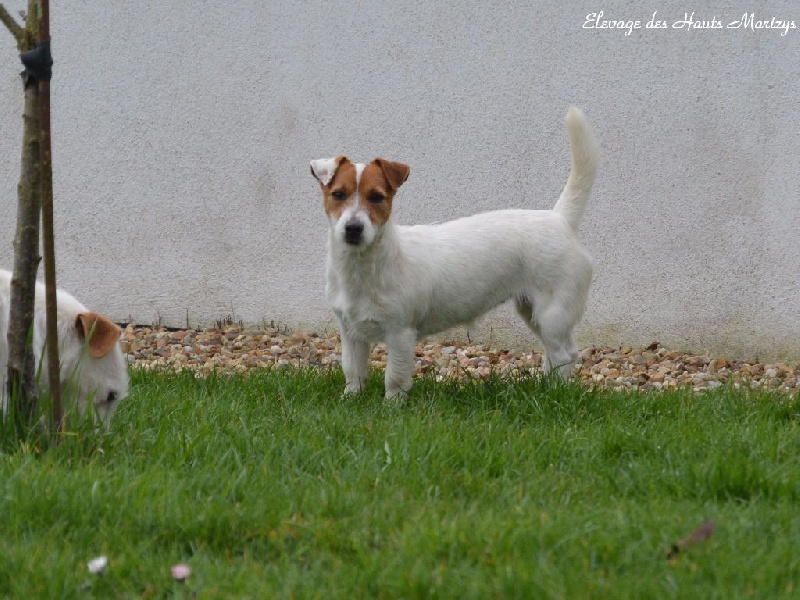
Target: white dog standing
(391, 283)
(91, 371)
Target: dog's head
(93, 366)
(357, 197)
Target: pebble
(240, 349)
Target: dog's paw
(351, 390)
(397, 397)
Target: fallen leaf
(701, 534)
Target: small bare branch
(16, 30)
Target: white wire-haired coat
(392, 283)
(93, 366)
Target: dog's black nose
(352, 231)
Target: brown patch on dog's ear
(396, 173)
(104, 333)
(324, 169)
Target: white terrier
(391, 283)
(93, 367)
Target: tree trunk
(48, 235)
(21, 364)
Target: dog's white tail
(585, 153)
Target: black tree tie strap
(38, 64)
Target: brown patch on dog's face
(357, 197)
(378, 185)
(341, 191)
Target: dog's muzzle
(353, 232)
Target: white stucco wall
(182, 133)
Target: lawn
(274, 486)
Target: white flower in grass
(181, 572)
(97, 565)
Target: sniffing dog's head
(93, 366)
(357, 197)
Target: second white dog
(93, 367)
(391, 283)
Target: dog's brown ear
(396, 173)
(325, 168)
(103, 334)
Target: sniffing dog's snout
(353, 231)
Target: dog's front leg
(355, 364)
(400, 363)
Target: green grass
(274, 486)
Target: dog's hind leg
(355, 364)
(553, 323)
(556, 324)
(525, 310)
(400, 363)
(561, 356)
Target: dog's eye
(338, 194)
(111, 398)
(376, 198)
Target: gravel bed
(240, 349)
